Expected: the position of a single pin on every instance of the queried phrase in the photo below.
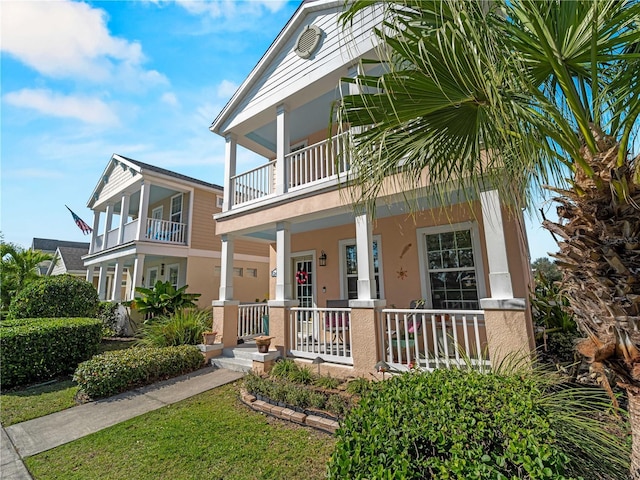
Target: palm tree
(18, 267)
(516, 95)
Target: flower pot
(263, 343)
(209, 338)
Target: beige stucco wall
(246, 289)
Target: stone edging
(283, 413)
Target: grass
(20, 405)
(209, 436)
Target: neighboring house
(50, 246)
(153, 224)
(68, 260)
(427, 289)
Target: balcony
(161, 231)
(305, 167)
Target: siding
(118, 180)
(203, 232)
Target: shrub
(55, 297)
(121, 370)
(39, 349)
(108, 315)
(163, 299)
(457, 424)
(327, 382)
(184, 327)
(359, 386)
(284, 368)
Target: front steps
(241, 357)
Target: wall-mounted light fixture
(322, 260)
(162, 269)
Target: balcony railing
(165, 231)
(430, 339)
(251, 319)
(309, 165)
(320, 332)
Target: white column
(284, 289)
(499, 276)
(91, 270)
(230, 152)
(107, 225)
(94, 233)
(282, 148)
(138, 270)
(142, 211)
(226, 268)
(116, 293)
(124, 213)
(364, 247)
(102, 282)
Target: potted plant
(209, 338)
(263, 343)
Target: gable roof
(50, 245)
(70, 258)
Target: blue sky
(145, 79)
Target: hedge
(55, 297)
(114, 372)
(42, 348)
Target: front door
(303, 277)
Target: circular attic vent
(308, 41)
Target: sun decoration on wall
(402, 273)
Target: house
(153, 224)
(50, 246)
(68, 260)
(446, 285)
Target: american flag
(86, 229)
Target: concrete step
(233, 364)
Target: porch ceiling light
(322, 260)
(308, 41)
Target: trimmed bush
(184, 327)
(55, 297)
(114, 372)
(39, 349)
(452, 424)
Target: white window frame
(157, 209)
(149, 270)
(168, 274)
(425, 281)
(301, 257)
(171, 214)
(343, 265)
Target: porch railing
(254, 184)
(251, 319)
(320, 332)
(165, 231)
(430, 339)
(318, 161)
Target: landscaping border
(288, 414)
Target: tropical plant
(163, 299)
(183, 327)
(18, 267)
(512, 96)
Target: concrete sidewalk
(40, 434)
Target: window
(237, 272)
(252, 272)
(173, 273)
(176, 208)
(452, 272)
(350, 268)
(219, 201)
(152, 277)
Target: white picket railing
(165, 231)
(254, 184)
(251, 319)
(318, 161)
(430, 339)
(320, 332)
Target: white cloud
(170, 99)
(30, 173)
(230, 8)
(65, 39)
(87, 109)
(226, 89)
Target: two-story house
(432, 288)
(153, 224)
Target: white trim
(171, 214)
(303, 256)
(157, 209)
(298, 146)
(343, 267)
(148, 275)
(167, 276)
(425, 282)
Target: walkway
(40, 434)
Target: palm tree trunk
(633, 394)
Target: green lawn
(35, 401)
(210, 436)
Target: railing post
(365, 335)
(510, 335)
(225, 321)
(279, 324)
